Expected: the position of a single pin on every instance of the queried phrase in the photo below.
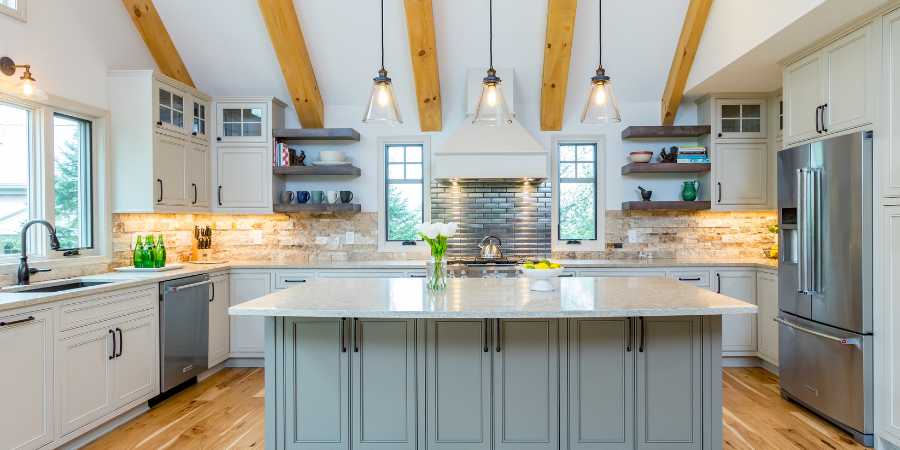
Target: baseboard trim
(742, 361)
(212, 371)
(245, 362)
(770, 367)
(106, 427)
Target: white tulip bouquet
(436, 234)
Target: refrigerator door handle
(801, 230)
(845, 341)
(815, 269)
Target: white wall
(71, 44)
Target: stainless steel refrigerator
(825, 280)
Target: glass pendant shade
(601, 107)
(382, 107)
(492, 109)
(28, 90)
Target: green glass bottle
(138, 255)
(160, 253)
(149, 253)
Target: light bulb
(492, 96)
(382, 96)
(601, 95)
(27, 89)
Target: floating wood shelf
(695, 205)
(665, 132)
(665, 168)
(316, 134)
(316, 207)
(316, 170)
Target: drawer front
(621, 273)
(371, 273)
(699, 278)
(289, 278)
(108, 305)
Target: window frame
(596, 245)
(41, 183)
(383, 142)
(19, 12)
(89, 154)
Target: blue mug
(317, 196)
(302, 196)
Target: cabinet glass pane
(731, 111)
(165, 114)
(202, 112)
(177, 103)
(252, 129)
(751, 125)
(232, 129)
(252, 115)
(751, 111)
(231, 115)
(165, 98)
(177, 119)
(731, 125)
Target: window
(578, 203)
(242, 122)
(72, 181)
(15, 131)
(404, 194)
(13, 8)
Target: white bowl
(331, 155)
(541, 277)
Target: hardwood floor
(225, 412)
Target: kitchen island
(618, 363)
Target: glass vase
(436, 274)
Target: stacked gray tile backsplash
(517, 213)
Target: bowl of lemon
(542, 272)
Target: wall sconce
(25, 88)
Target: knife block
(200, 254)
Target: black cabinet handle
(720, 134)
(718, 283)
(219, 139)
(121, 342)
(295, 281)
(195, 193)
(641, 349)
(114, 344)
(416, 276)
(565, 275)
(213, 287)
(720, 193)
(160, 190)
(818, 129)
(689, 279)
(498, 334)
(220, 195)
(486, 328)
(159, 123)
(343, 336)
(194, 133)
(356, 337)
(630, 334)
(29, 319)
(823, 117)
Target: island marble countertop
(493, 298)
(13, 297)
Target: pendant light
(382, 107)
(25, 88)
(601, 105)
(492, 109)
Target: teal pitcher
(689, 191)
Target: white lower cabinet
(738, 330)
(891, 323)
(26, 383)
(767, 300)
(247, 331)
(218, 319)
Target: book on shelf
(692, 159)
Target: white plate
(331, 163)
(150, 269)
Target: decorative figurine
(645, 194)
(671, 157)
(297, 160)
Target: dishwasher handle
(187, 286)
(845, 341)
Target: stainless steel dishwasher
(183, 329)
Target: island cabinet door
(383, 384)
(669, 383)
(315, 406)
(600, 380)
(458, 384)
(526, 384)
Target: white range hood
(482, 153)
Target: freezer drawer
(832, 377)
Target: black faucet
(25, 272)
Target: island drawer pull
(343, 336)
(718, 283)
(121, 342)
(845, 341)
(689, 279)
(566, 275)
(29, 319)
(356, 337)
(498, 335)
(113, 333)
(630, 333)
(213, 291)
(641, 349)
(487, 327)
(295, 281)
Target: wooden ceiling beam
(287, 39)
(154, 33)
(557, 53)
(423, 51)
(691, 31)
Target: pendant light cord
(600, 33)
(491, 19)
(382, 34)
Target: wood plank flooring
(226, 412)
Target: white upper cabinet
(160, 144)
(741, 118)
(890, 159)
(830, 90)
(242, 122)
(741, 174)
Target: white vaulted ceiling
(227, 51)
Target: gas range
(464, 267)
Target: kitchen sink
(67, 286)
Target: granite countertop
(15, 297)
(493, 298)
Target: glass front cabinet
(242, 122)
(740, 118)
